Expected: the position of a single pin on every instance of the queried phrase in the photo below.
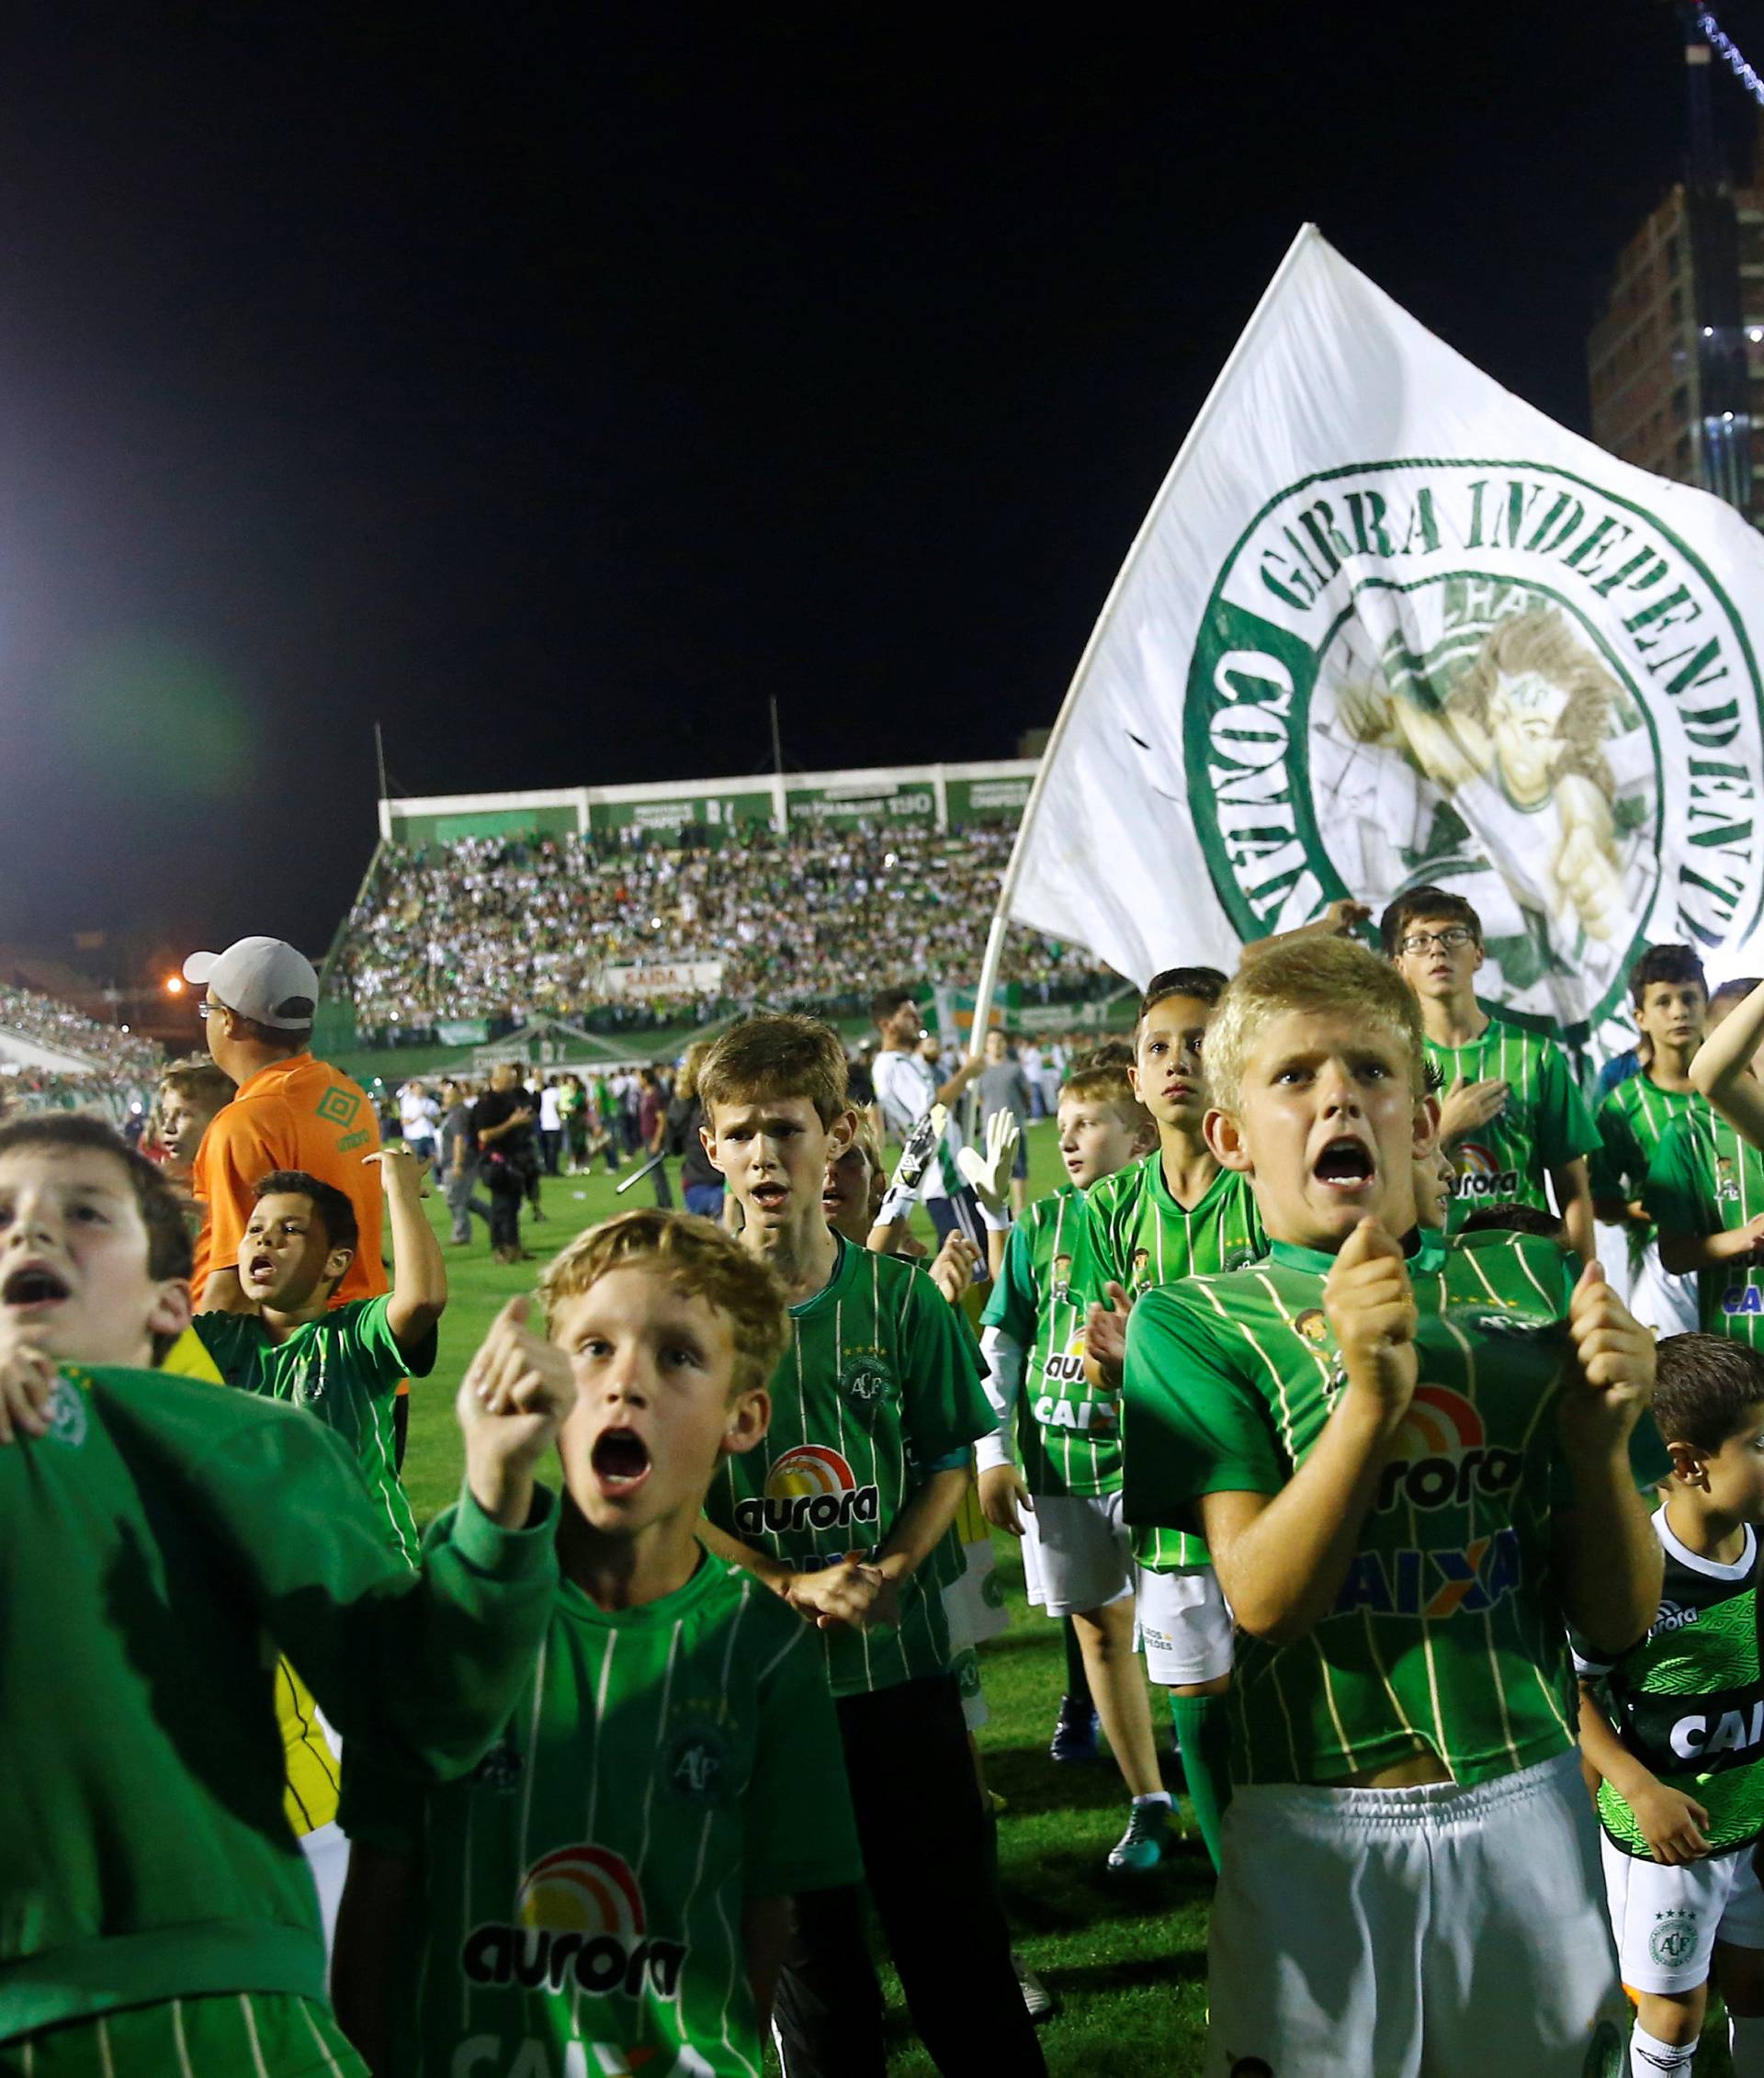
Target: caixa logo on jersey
(811, 1487)
(578, 1920)
(1481, 1175)
(1442, 1458)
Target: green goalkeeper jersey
(344, 1368)
(1543, 1125)
(1447, 1634)
(1149, 1237)
(1706, 1180)
(578, 1901)
(878, 1388)
(1688, 1701)
(1068, 1432)
(1632, 1123)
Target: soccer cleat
(1141, 1848)
(1074, 1732)
(1037, 1999)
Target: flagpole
(994, 955)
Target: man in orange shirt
(290, 1112)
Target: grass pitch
(1126, 1959)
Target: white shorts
(326, 1849)
(1185, 1627)
(1668, 1921)
(1442, 1930)
(1658, 1300)
(1083, 1554)
(974, 1601)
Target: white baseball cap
(262, 979)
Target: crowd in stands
(491, 927)
(125, 1066)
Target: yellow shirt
(314, 1773)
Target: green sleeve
(1564, 1127)
(1616, 1168)
(1012, 1304)
(1674, 1193)
(946, 1407)
(375, 1351)
(428, 1665)
(796, 1813)
(1190, 1424)
(1104, 1207)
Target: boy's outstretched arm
(1282, 1558)
(1720, 1068)
(919, 1528)
(1611, 1560)
(419, 1294)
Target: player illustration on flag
(1515, 768)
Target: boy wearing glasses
(1511, 1115)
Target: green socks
(1203, 1735)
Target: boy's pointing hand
(513, 1400)
(1370, 1305)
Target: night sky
(554, 389)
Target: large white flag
(1386, 624)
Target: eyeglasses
(1450, 939)
(204, 1011)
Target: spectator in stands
(290, 1112)
(503, 1122)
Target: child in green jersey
(1671, 995)
(612, 1886)
(1705, 1182)
(1681, 1794)
(343, 1363)
(1176, 1214)
(1511, 1114)
(1409, 1459)
(1052, 1469)
(845, 1510)
(155, 1913)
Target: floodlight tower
(1724, 436)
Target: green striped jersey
(1544, 1123)
(1706, 1180)
(345, 1368)
(1689, 1701)
(1149, 1237)
(585, 1885)
(878, 1388)
(1631, 1123)
(1447, 1634)
(1069, 1433)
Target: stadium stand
(490, 927)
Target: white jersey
(550, 1119)
(906, 1089)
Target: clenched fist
(1370, 1305)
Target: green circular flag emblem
(1493, 677)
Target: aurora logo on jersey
(811, 1487)
(1481, 1175)
(578, 1918)
(1434, 1584)
(1441, 1457)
